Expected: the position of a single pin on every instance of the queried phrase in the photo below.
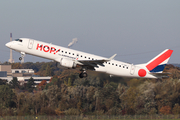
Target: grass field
(127, 117)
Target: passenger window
(89, 58)
(119, 65)
(112, 63)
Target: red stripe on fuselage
(159, 60)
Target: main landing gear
(83, 74)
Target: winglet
(112, 57)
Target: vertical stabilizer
(158, 63)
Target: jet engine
(68, 63)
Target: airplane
(70, 58)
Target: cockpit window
(18, 40)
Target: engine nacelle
(67, 63)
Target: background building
(7, 69)
(23, 75)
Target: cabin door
(132, 69)
(30, 44)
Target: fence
(94, 117)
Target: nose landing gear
(22, 56)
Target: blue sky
(137, 30)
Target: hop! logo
(46, 48)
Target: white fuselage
(54, 52)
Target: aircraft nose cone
(8, 45)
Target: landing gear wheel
(20, 58)
(85, 74)
(82, 75)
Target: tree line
(98, 94)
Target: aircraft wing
(94, 63)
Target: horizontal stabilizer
(160, 75)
